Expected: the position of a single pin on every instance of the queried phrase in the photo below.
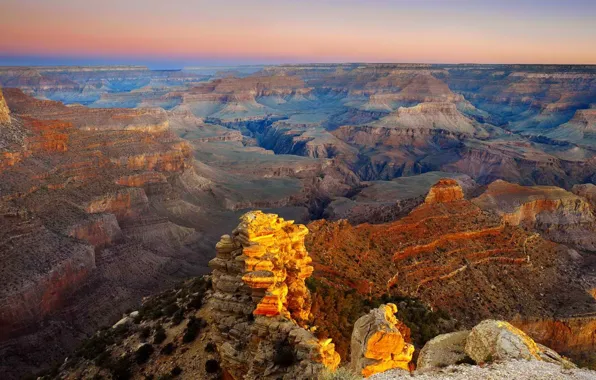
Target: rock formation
(489, 341)
(493, 340)
(260, 301)
(560, 215)
(377, 344)
(4, 111)
(443, 350)
(446, 190)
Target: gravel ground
(512, 370)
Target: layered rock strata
(377, 344)
(455, 256)
(559, 215)
(260, 301)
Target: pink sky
(447, 31)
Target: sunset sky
(167, 33)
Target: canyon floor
(117, 182)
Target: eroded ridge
(452, 254)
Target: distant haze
(185, 32)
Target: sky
(176, 33)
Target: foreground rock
(443, 350)
(494, 340)
(377, 343)
(260, 299)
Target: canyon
(468, 187)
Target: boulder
(492, 340)
(443, 350)
(377, 344)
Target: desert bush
(160, 335)
(211, 366)
(143, 353)
(193, 327)
(176, 371)
(168, 349)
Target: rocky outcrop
(489, 341)
(377, 343)
(4, 111)
(446, 190)
(260, 302)
(443, 350)
(493, 340)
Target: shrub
(193, 327)
(210, 347)
(176, 371)
(211, 366)
(120, 369)
(284, 355)
(145, 332)
(160, 335)
(168, 349)
(95, 345)
(178, 317)
(143, 353)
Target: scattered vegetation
(420, 323)
(193, 327)
(211, 366)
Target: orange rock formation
(446, 190)
(377, 344)
(260, 300)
